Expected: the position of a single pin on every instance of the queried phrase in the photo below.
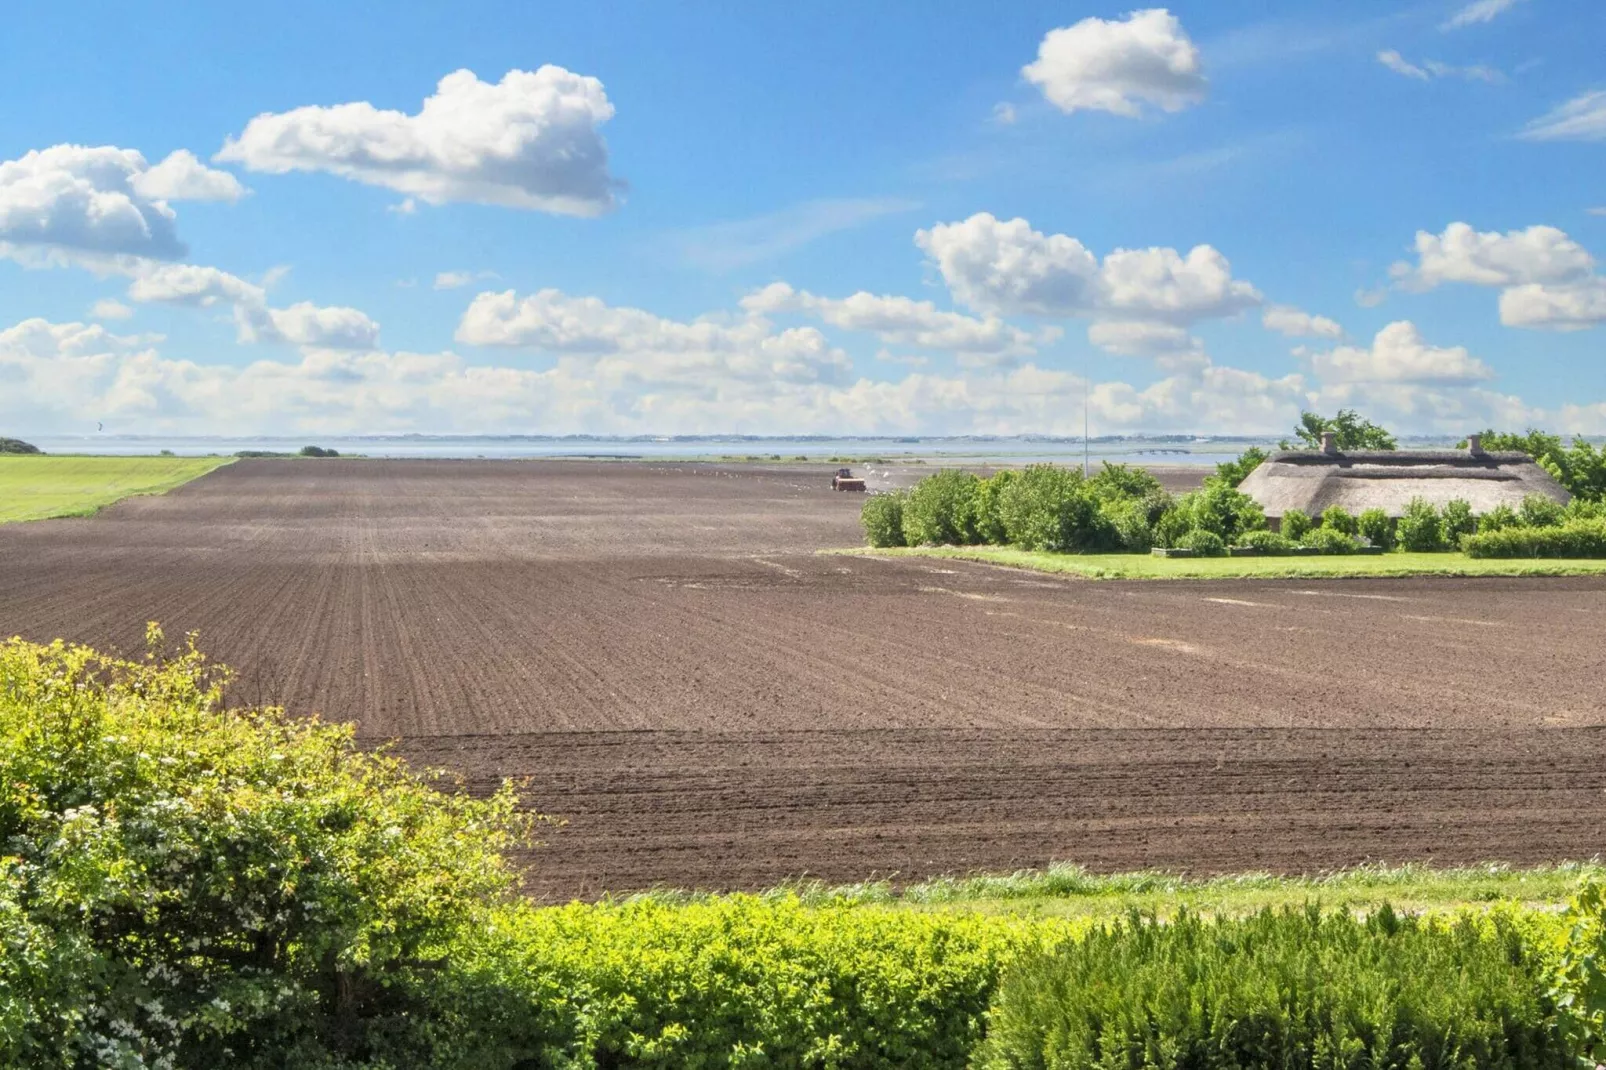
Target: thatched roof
(1313, 480)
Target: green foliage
(1171, 526)
(1233, 473)
(1353, 433)
(1540, 511)
(1048, 508)
(1580, 509)
(1457, 520)
(1337, 518)
(1120, 482)
(1420, 530)
(989, 525)
(1137, 520)
(1376, 528)
(941, 510)
(320, 451)
(1267, 542)
(1279, 990)
(1295, 524)
(185, 885)
(1329, 541)
(1576, 538)
(1222, 510)
(745, 982)
(1581, 467)
(16, 445)
(1203, 542)
(1579, 988)
(1501, 516)
(882, 517)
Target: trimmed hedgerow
(1281, 989)
(1270, 543)
(1204, 543)
(1577, 538)
(1329, 541)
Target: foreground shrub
(188, 886)
(882, 517)
(1295, 524)
(1578, 538)
(1138, 520)
(1222, 510)
(1281, 989)
(1376, 528)
(941, 510)
(1501, 516)
(739, 981)
(1457, 520)
(1046, 507)
(1267, 542)
(989, 525)
(1329, 541)
(1420, 529)
(1204, 543)
(1580, 982)
(1540, 511)
(1337, 518)
(1122, 482)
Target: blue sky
(808, 218)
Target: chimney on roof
(1329, 442)
(1475, 445)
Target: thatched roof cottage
(1314, 480)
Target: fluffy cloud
(1399, 354)
(72, 373)
(74, 200)
(182, 177)
(904, 321)
(1581, 119)
(108, 308)
(304, 324)
(529, 141)
(1547, 279)
(1172, 346)
(1297, 323)
(1118, 67)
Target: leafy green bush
(1580, 468)
(1136, 520)
(1233, 473)
(882, 517)
(1295, 524)
(1329, 541)
(1121, 482)
(1581, 509)
(16, 445)
(1047, 508)
(318, 451)
(1337, 518)
(1457, 520)
(1501, 516)
(1222, 511)
(1171, 526)
(1578, 538)
(1267, 542)
(1420, 530)
(1279, 990)
(1579, 989)
(1204, 543)
(941, 510)
(1376, 528)
(989, 525)
(1540, 511)
(184, 885)
(743, 982)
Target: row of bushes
(183, 885)
(1045, 507)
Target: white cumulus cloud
(182, 177)
(1297, 323)
(1399, 354)
(73, 200)
(529, 141)
(304, 324)
(1119, 66)
(1547, 280)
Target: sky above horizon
(813, 219)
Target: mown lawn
(36, 488)
(1148, 567)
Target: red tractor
(846, 480)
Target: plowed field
(711, 703)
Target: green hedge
(1576, 538)
(1281, 989)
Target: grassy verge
(1147, 567)
(37, 488)
(1069, 891)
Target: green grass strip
(1148, 567)
(38, 488)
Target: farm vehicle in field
(846, 480)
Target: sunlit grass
(36, 488)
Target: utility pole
(1087, 392)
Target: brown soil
(711, 703)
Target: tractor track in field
(710, 703)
